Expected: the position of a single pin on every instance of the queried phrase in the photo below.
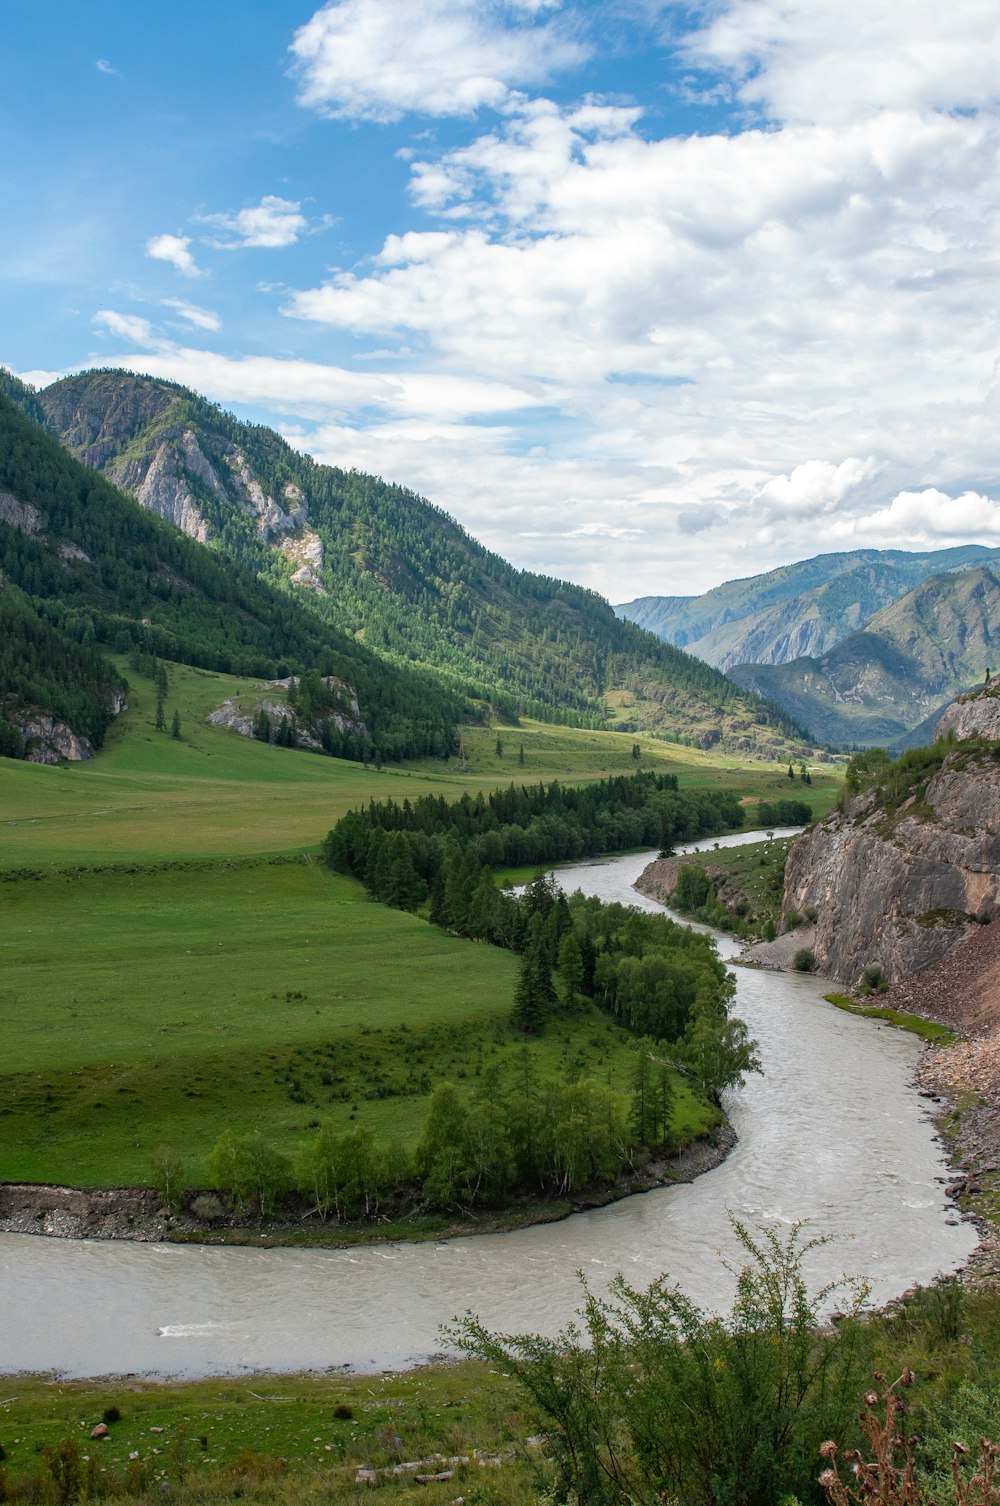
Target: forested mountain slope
(878, 685)
(84, 570)
(798, 610)
(386, 566)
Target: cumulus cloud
(358, 59)
(125, 327)
(933, 518)
(837, 60)
(198, 318)
(804, 309)
(174, 249)
(815, 487)
(103, 66)
(273, 223)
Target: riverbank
(136, 1213)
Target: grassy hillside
(384, 565)
(212, 793)
(173, 1004)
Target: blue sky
(647, 295)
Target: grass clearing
(271, 1437)
(212, 793)
(164, 1006)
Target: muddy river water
(832, 1132)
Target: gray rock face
(238, 714)
(163, 483)
(901, 890)
(20, 515)
(162, 488)
(50, 741)
(976, 715)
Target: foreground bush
(655, 1401)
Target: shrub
(804, 960)
(656, 1400)
(110, 1415)
(207, 1207)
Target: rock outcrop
(239, 714)
(51, 741)
(973, 715)
(900, 888)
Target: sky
(647, 295)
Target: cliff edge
(909, 869)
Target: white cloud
(198, 318)
(752, 339)
(174, 249)
(836, 60)
(933, 519)
(125, 327)
(364, 60)
(815, 487)
(274, 222)
(103, 66)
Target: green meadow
(167, 1005)
(174, 960)
(211, 793)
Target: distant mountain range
(379, 575)
(801, 609)
(866, 646)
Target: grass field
(173, 959)
(276, 1435)
(212, 793)
(168, 1005)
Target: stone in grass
(101, 1431)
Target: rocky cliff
(902, 876)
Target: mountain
(798, 610)
(85, 571)
(878, 685)
(383, 565)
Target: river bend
(831, 1132)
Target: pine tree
(642, 1118)
(571, 968)
(499, 748)
(161, 721)
(175, 725)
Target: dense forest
(100, 573)
(656, 978)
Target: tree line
(656, 978)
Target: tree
(533, 994)
(161, 721)
(791, 773)
(499, 748)
(168, 1175)
(175, 725)
(636, 753)
(642, 1115)
(262, 726)
(571, 968)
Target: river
(832, 1132)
